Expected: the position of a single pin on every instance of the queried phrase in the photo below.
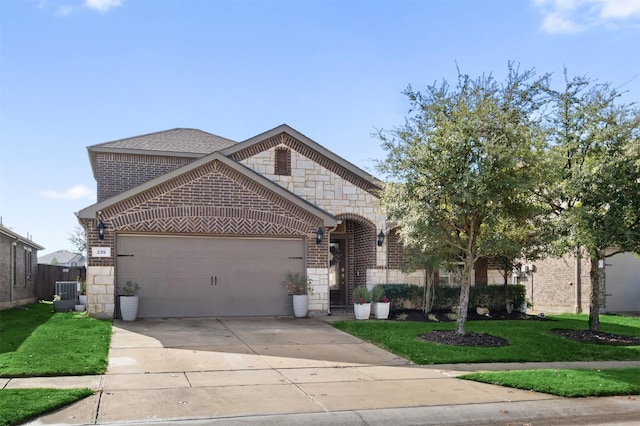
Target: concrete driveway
(273, 371)
(285, 371)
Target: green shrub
(410, 296)
(402, 296)
(377, 293)
(361, 295)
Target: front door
(338, 272)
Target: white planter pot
(362, 311)
(381, 310)
(128, 308)
(83, 299)
(300, 305)
(79, 308)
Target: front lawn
(566, 383)
(34, 341)
(529, 340)
(20, 405)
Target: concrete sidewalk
(286, 371)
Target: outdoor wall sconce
(380, 239)
(319, 234)
(101, 227)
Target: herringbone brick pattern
(212, 199)
(242, 222)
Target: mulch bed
(443, 316)
(450, 337)
(598, 337)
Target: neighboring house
(564, 284)
(63, 258)
(18, 269)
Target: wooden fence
(49, 274)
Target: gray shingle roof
(175, 140)
(63, 258)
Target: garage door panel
(191, 276)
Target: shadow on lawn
(17, 324)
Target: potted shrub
(298, 285)
(129, 301)
(361, 303)
(381, 303)
(83, 293)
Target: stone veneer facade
(346, 196)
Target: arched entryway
(352, 252)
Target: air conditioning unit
(67, 290)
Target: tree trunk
(463, 306)
(427, 304)
(594, 304)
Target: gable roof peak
(245, 146)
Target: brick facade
(116, 173)
(395, 252)
(18, 269)
(554, 285)
(213, 199)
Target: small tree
(78, 239)
(422, 253)
(458, 168)
(592, 172)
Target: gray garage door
(202, 276)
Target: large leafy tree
(458, 170)
(592, 172)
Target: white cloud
(78, 192)
(619, 9)
(102, 5)
(69, 7)
(560, 23)
(573, 16)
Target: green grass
(567, 383)
(34, 341)
(530, 340)
(20, 405)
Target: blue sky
(75, 73)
